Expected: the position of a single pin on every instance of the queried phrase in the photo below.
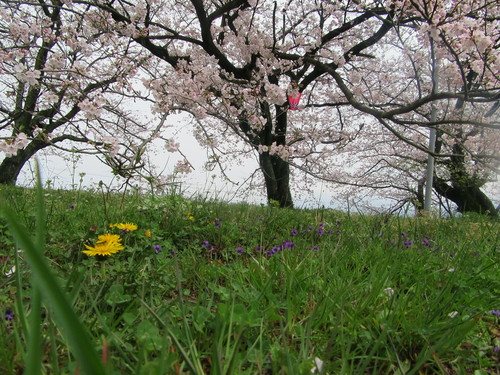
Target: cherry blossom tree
(460, 40)
(68, 84)
(228, 64)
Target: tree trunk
(462, 187)
(277, 177)
(467, 198)
(11, 166)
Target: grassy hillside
(212, 288)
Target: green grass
(365, 294)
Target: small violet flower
(157, 248)
(496, 312)
(240, 250)
(294, 232)
(9, 314)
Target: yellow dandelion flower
(128, 227)
(106, 244)
(108, 237)
(148, 234)
(103, 248)
(191, 218)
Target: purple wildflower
(315, 247)
(294, 232)
(425, 241)
(496, 312)
(217, 223)
(9, 314)
(320, 231)
(239, 250)
(205, 244)
(157, 248)
(407, 243)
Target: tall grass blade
(19, 298)
(34, 357)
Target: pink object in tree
(293, 101)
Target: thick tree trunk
(467, 198)
(11, 166)
(277, 177)
(462, 187)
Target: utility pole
(432, 132)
